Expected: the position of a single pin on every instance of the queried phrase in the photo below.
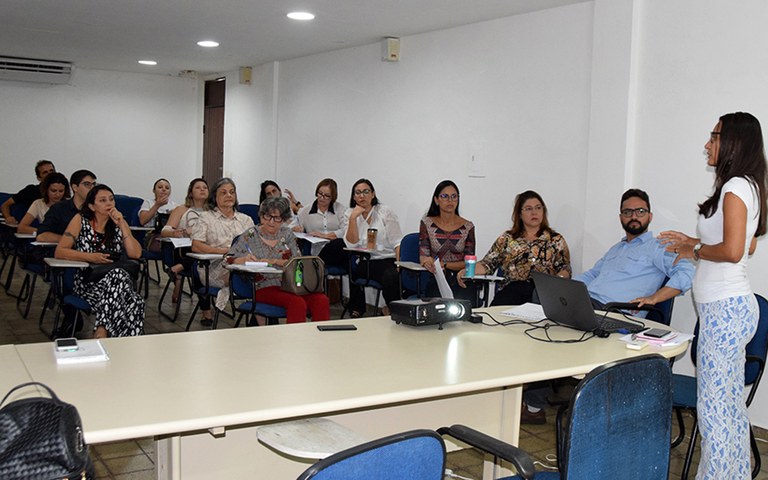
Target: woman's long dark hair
(52, 179)
(352, 203)
(110, 229)
(434, 208)
(518, 228)
(740, 154)
(188, 200)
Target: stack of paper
(88, 351)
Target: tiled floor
(135, 460)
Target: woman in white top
(162, 203)
(54, 189)
(367, 213)
(214, 232)
(325, 219)
(183, 218)
(729, 222)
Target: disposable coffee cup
(469, 266)
(372, 233)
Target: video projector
(430, 311)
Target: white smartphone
(66, 344)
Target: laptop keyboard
(608, 324)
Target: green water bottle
(299, 274)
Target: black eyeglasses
(638, 212)
(445, 196)
(272, 218)
(362, 193)
(323, 195)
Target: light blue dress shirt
(635, 269)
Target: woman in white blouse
(325, 219)
(54, 189)
(161, 204)
(367, 213)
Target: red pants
(296, 306)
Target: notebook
(566, 302)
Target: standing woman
(730, 220)
(444, 234)
(530, 246)
(366, 212)
(95, 235)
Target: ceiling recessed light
(208, 43)
(147, 62)
(301, 16)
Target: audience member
(273, 242)
(54, 188)
(634, 269)
(730, 221)
(161, 203)
(530, 246)
(325, 219)
(59, 215)
(367, 213)
(444, 234)
(96, 235)
(28, 194)
(181, 222)
(271, 189)
(213, 233)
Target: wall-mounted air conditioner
(32, 70)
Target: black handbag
(42, 438)
(303, 275)
(97, 271)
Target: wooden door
(213, 131)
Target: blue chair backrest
(250, 209)
(242, 286)
(414, 455)
(129, 207)
(620, 421)
(409, 252)
(758, 346)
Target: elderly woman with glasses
(274, 243)
(324, 219)
(530, 246)
(213, 233)
(366, 213)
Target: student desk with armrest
(382, 378)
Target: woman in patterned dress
(444, 234)
(530, 246)
(96, 232)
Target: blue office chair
(618, 426)
(360, 274)
(413, 455)
(241, 288)
(170, 258)
(129, 206)
(250, 209)
(412, 282)
(203, 289)
(31, 261)
(62, 283)
(686, 392)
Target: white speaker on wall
(245, 75)
(390, 49)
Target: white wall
(129, 129)
(514, 92)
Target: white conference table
(201, 393)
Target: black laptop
(566, 302)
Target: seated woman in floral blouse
(530, 246)
(445, 235)
(273, 242)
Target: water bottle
(299, 277)
(469, 266)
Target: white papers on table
(442, 283)
(88, 351)
(256, 264)
(679, 339)
(310, 238)
(527, 311)
(181, 242)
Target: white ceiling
(115, 34)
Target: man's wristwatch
(696, 251)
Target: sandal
(354, 314)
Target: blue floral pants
(726, 326)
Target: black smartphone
(656, 333)
(66, 344)
(335, 328)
